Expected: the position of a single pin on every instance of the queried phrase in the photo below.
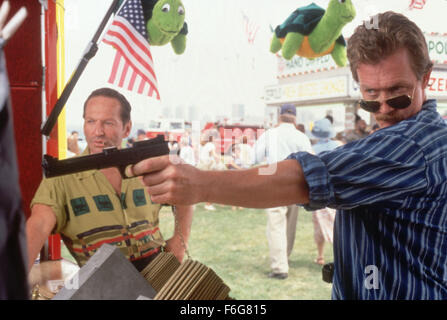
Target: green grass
(234, 245)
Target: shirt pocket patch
(138, 197)
(103, 203)
(79, 206)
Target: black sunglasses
(399, 102)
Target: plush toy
(313, 32)
(166, 23)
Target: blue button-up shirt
(390, 189)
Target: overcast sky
(219, 67)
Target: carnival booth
(319, 87)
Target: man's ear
(426, 79)
(127, 128)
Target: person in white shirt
(208, 160)
(274, 145)
(207, 155)
(186, 151)
(245, 153)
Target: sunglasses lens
(370, 106)
(400, 102)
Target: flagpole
(89, 53)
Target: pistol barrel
(109, 157)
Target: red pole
(54, 247)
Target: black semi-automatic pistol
(109, 157)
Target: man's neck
(114, 177)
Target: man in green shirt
(94, 207)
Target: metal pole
(89, 53)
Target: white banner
(336, 87)
(299, 65)
(437, 47)
(437, 86)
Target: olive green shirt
(89, 213)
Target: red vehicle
(173, 129)
(226, 135)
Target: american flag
(133, 67)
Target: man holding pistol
(390, 188)
(94, 207)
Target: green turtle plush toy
(166, 23)
(313, 32)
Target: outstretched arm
(274, 185)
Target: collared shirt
(245, 155)
(390, 189)
(90, 213)
(277, 143)
(355, 135)
(206, 152)
(187, 155)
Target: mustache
(392, 116)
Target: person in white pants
(272, 146)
